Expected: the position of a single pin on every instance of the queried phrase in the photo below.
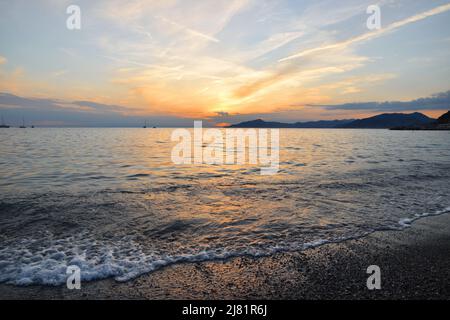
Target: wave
(406, 222)
(30, 262)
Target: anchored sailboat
(23, 123)
(3, 125)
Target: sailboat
(3, 125)
(145, 125)
(23, 123)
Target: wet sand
(415, 264)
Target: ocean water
(112, 202)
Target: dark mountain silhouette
(310, 124)
(444, 119)
(396, 121)
(259, 123)
(442, 123)
(322, 123)
(390, 120)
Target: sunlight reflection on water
(112, 201)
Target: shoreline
(414, 263)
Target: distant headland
(442, 123)
(393, 121)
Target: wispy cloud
(191, 58)
(438, 101)
(291, 69)
(370, 35)
(188, 30)
(8, 100)
(59, 73)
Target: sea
(112, 202)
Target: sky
(224, 61)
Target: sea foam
(28, 263)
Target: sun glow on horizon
(204, 59)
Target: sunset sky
(224, 61)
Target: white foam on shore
(44, 262)
(122, 260)
(27, 263)
(407, 222)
